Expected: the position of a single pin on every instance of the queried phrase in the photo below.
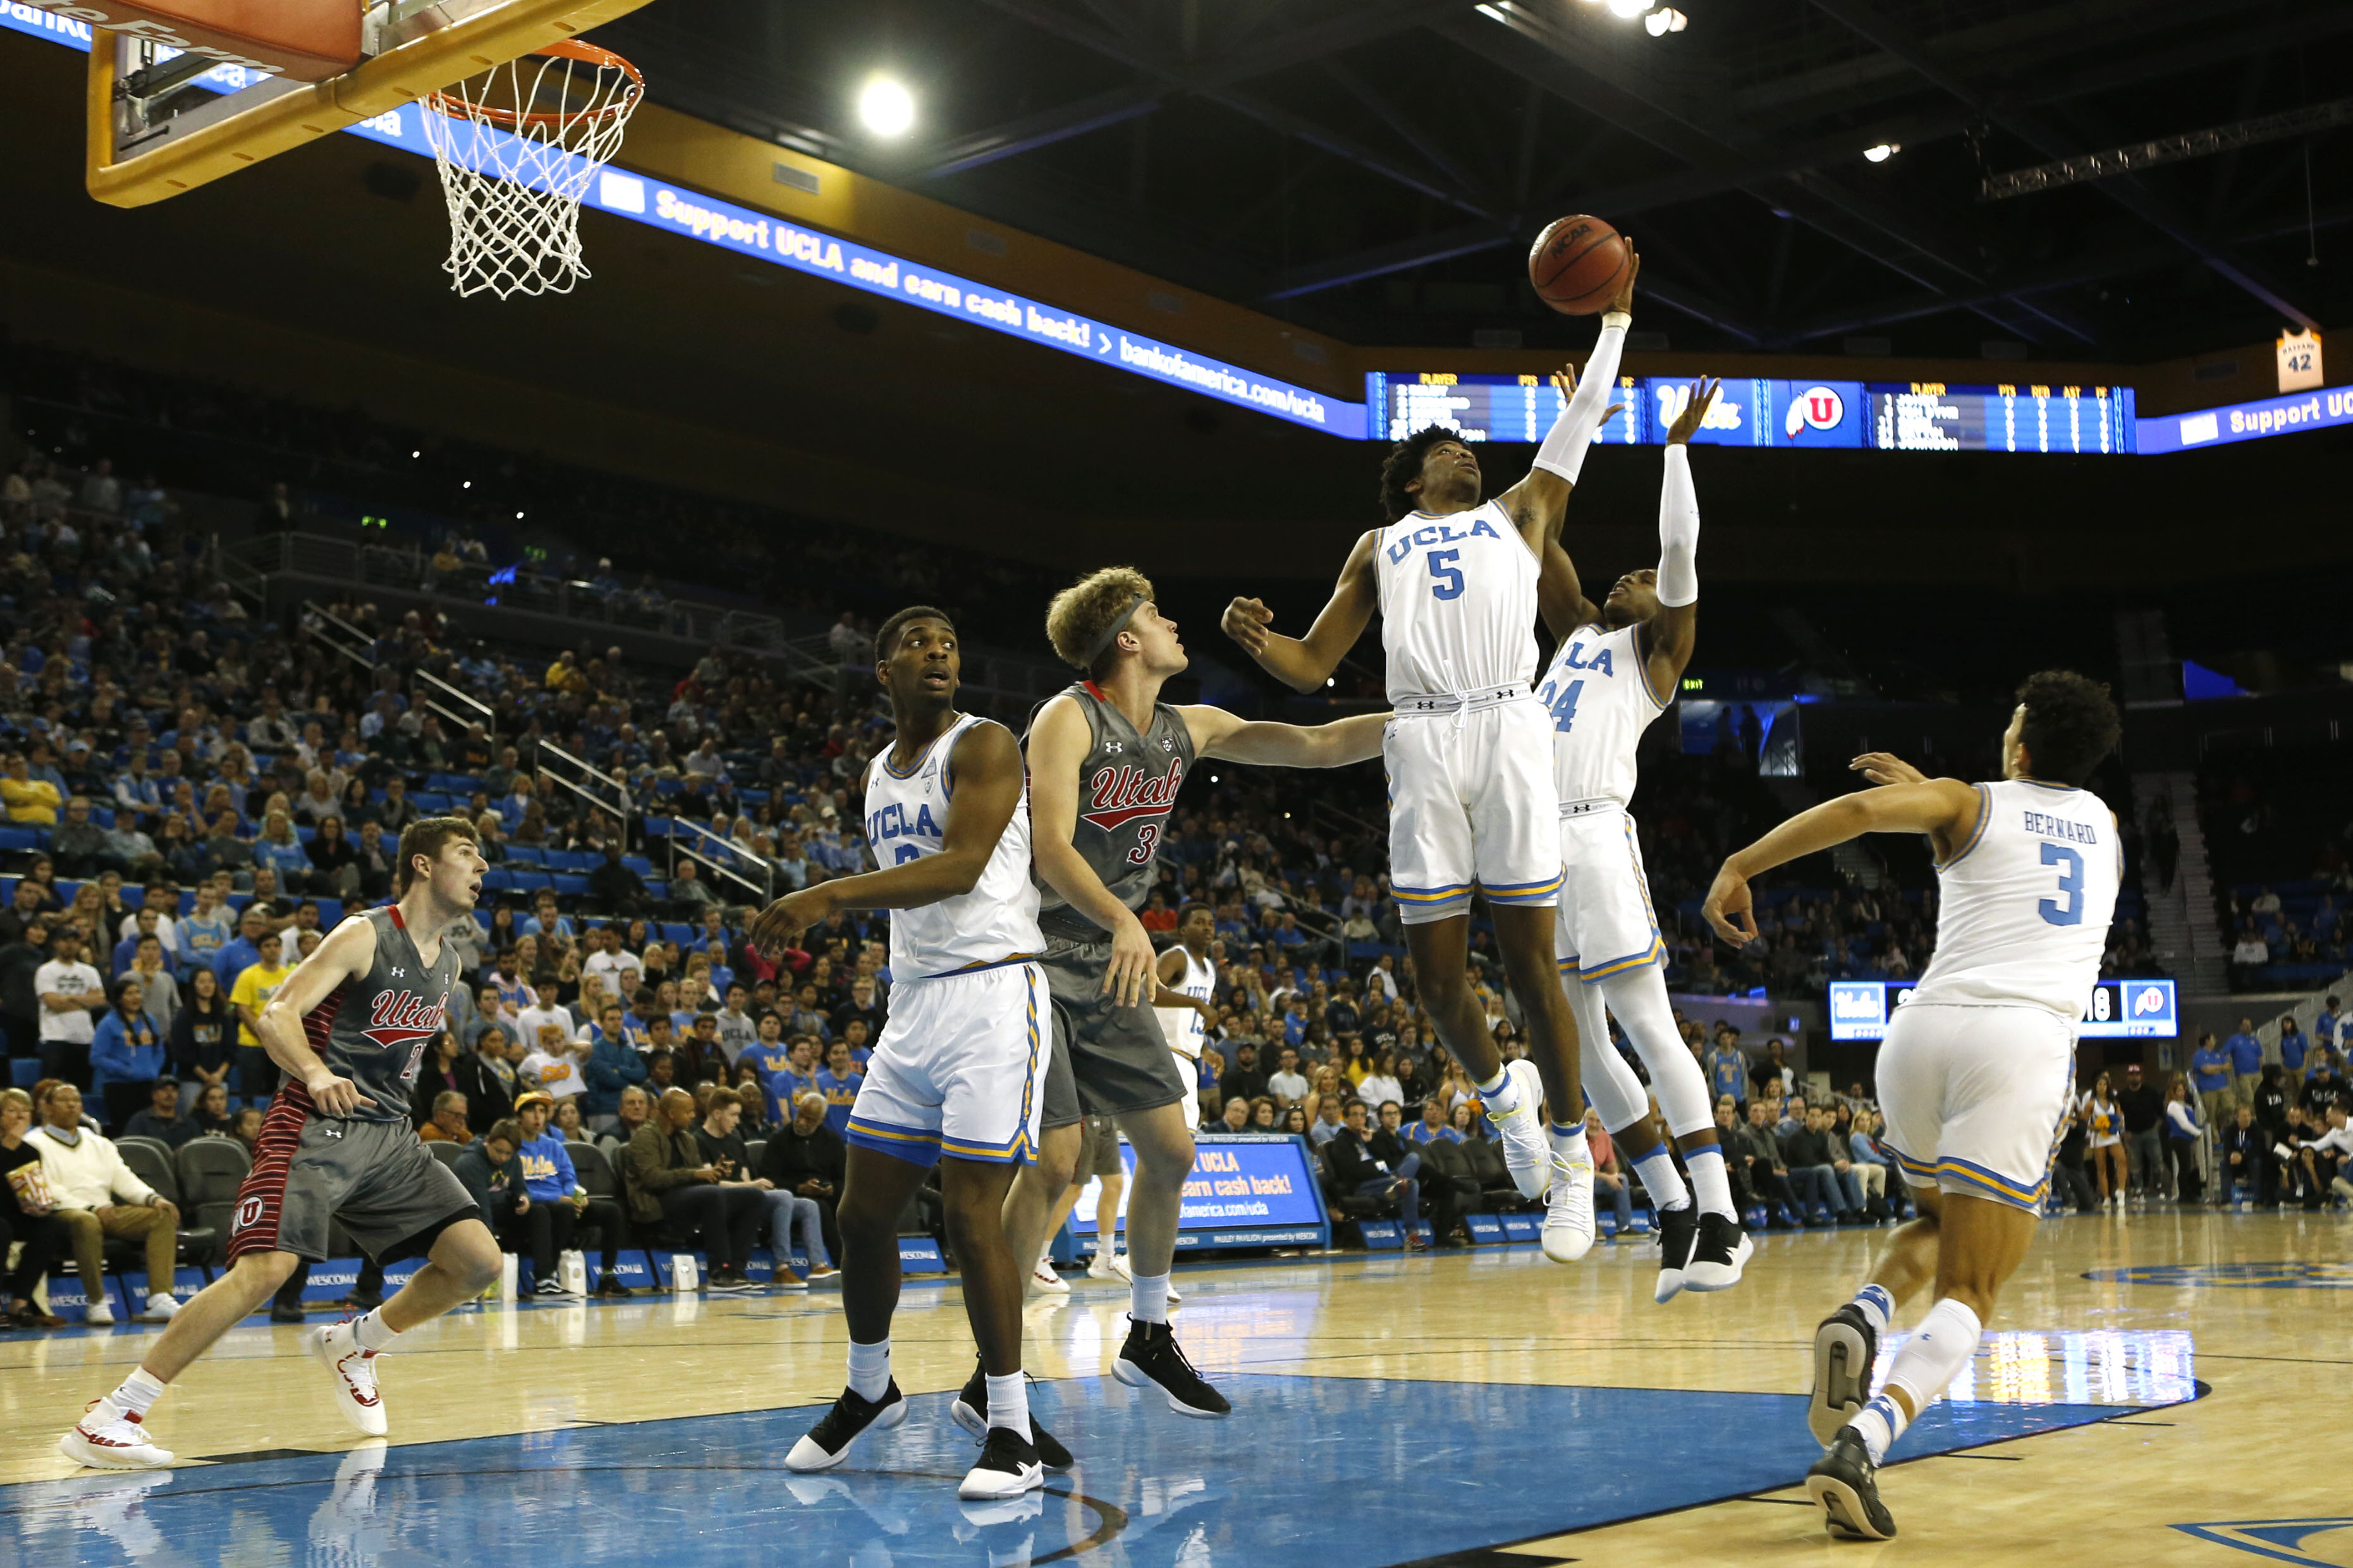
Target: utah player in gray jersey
(1106, 760)
(348, 1028)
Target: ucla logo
(1571, 657)
(1433, 533)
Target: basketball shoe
(336, 1348)
(1008, 1467)
(827, 1443)
(1567, 1233)
(1845, 1348)
(1846, 1484)
(970, 1411)
(1719, 1253)
(1151, 1355)
(106, 1439)
(1526, 1153)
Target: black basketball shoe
(1007, 1468)
(828, 1442)
(970, 1411)
(1846, 1483)
(1151, 1355)
(1718, 1255)
(1678, 1230)
(1845, 1348)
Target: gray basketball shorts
(377, 1179)
(1108, 1060)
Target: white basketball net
(517, 146)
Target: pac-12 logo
(1816, 408)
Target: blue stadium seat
(526, 878)
(571, 886)
(581, 861)
(306, 834)
(658, 889)
(678, 932)
(660, 826)
(331, 912)
(23, 838)
(102, 815)
(525, 854)
(496, 880)
(754, 796)
(639, 864)
(430, 803)
(24, 1072)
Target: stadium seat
(23, 838)
(446, 1152)
(497, 881)
(210, 1171)
(525, 854)
(639, 864)
(430, 803)
(679, 932)
(331, 912)
(528, 879)
(151, 1160)
(570, 887)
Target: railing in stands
(754, 875)
(460, 708)
(601, 790)
(332, 631)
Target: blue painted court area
(1331, 1472)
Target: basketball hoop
(517, 146)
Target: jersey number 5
(1450, 577)
(2071, 882)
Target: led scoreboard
(2119, 1009)
(1890, 417)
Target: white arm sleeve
(1678, 531)
(1563, 449)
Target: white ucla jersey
(1185, 1025)
(1600, 700)
(1458, 602)
(2025, 904)
(907, 819)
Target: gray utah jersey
(374, 1030)
(1128, 786)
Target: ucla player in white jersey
(1187, 980)
(1618, 667)
(958, 1078)
(1978, 1067)
(1471, 803)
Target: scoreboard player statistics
(2117, 1010)
(1889, 416)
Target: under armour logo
(1115, 747)
(334, 1131)
(398, 972)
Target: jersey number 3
(2070, 883)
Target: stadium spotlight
(1883, 151)
(886, 107)
(1665, 20)
(1629, 9)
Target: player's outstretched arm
(986, 773)
(1673, 633)
(1537, 503)
(1218, 734)
(349, 951)
(1305, 663)
(1560, 595)
(1058, 743)
(1944, 809)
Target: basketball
(1575, 264)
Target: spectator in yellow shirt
(256, 985)
(28, 799)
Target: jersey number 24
(1562, 703)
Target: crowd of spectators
(2280, 841)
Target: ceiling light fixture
(886, 107)
(1667, 19)
(1883, 151)
(1629, 9)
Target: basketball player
(347, 1028)
(1471, 801)
(1181, 998)
(954, 1081)
(1978, 1067)
(1618, 667)
(1106, 759)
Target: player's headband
(1118, 625)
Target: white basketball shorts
(960, 1069)
(1471, 807)
(1190, 1067)
(1973, 1098)
(1606, 925)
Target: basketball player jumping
(954, 1081)
(1618, 667)
(1106, 759)
(348, 1028)
(1471, 800)
(1187, 982)
(1978, 1065)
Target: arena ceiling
(1375, 168)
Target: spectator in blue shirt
(838, 1081)
(544, 920)
(282, 852)
(1726, 1065)
(2333, 1028)
(558, 1201)
(126, 1055)
(235, 957)
(2246, 1060)
(2293, 1042)
(613, 1066)
(1433, 1128)
(2209, 1069)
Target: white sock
(1147, 1296)
(869, 1369)
(1571, 1145)
(1935, 1353)
(1501, 1096)
(376, 1336)
(1661, 1181)
(138, 1393)
(1877, 1304)
(1008, 1403)
(1879, 1424)
(1710, 1182)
